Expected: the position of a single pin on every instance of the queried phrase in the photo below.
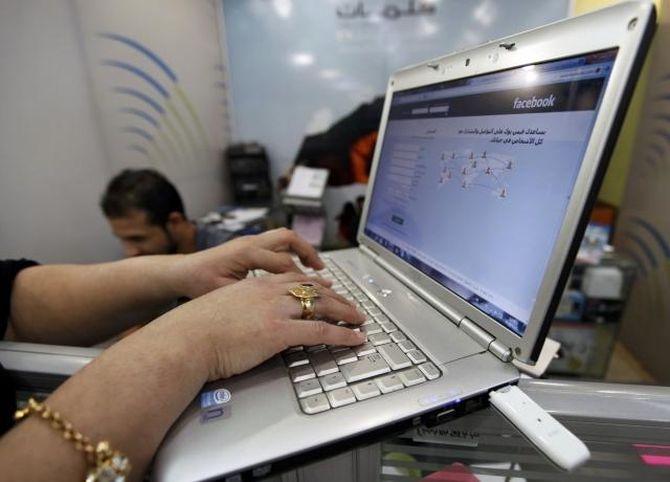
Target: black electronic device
(249, 169)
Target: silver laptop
(487, 163)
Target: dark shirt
(210, 235)
(8, 272)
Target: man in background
(146, 212)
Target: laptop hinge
(501, 351)
(476, 333)
(482, 337)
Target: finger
(288, 280)
(314, 332)
(273, 262)
(326, 307)
(334, 309)
(279, 263)
(283, 239)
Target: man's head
(146, 213)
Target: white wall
(324, 66)
(174, 45)
(61, 130)
(52, 165)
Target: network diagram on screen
(470, 170)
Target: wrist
(173, 276)
(183, 330)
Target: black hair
(142, 189)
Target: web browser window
(475, 176)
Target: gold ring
(306, 294)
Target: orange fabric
(360, 157)
(604, 213)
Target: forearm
(85, 304)
(129, 396)
(134, 391)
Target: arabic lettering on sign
(392, 11)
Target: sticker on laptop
(215, 404)
(447, 434)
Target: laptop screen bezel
(607, 29)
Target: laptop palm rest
(432, 331)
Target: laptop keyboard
(328, 377)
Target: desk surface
(626, 427)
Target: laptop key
(416, 356)
(307, 388)
(411, 377)
(398, 336)
(394, 356)
(379, 339)
(298, 374)
(381, 318)
(365, 390)
(407, 346)
(429, 370)
(323, 363)
(371, 328)
(336, 348)
(332, 381)
(312, 349)
(315, 404)
(344, 357)
(364, 349)
(367, 367)
(296, 359)
(389, 383)
(374, 311)
(341, 396)
(388, 327)
(368, 321)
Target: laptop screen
(475, 176)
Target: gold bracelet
(105, 464)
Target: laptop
(486, 166)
